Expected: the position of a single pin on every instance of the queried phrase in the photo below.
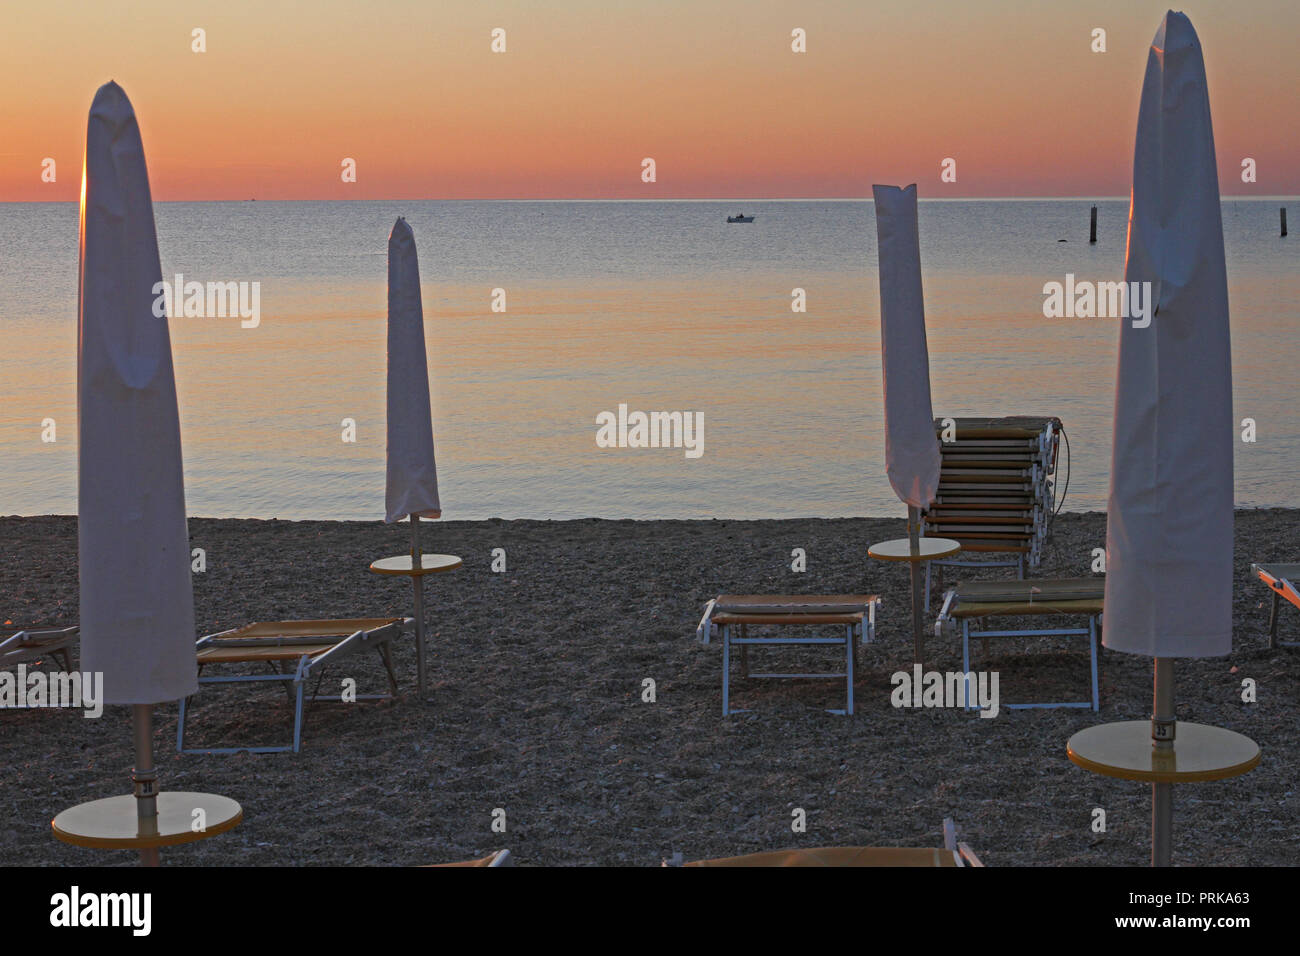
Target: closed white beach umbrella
(1169, 531)
(1169, 528)
(137, 606)
(911, 448)
(412, 474)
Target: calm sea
(659, 306)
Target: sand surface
(536, 708)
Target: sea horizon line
(785, 199)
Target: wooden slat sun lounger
(295, 651)
(23, 643)
(855, 613)
(1282, 581)
(978, 600)
(954, 854)
(996, 492)
(1003, 428)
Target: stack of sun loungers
(997, 491)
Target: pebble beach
(536, 712)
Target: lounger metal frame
(12, 646)
(305, 668)
(1017, 562)
(865, 631)
(945, 620)
(1281, 587)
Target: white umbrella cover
(911, 448)
(412, 474)
(137, 606)
(1169, 533)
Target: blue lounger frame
(865, 631)
(967, 632)
(304, 669)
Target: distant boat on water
(740, 218)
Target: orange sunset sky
(711, 90)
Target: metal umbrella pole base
(417, 582)
(914, 537)
(145, 820)
(415, 564)
(915, 550)
(144, 779)
(1164, 730)
(1163, 752)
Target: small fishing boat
(740, 218)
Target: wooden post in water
(1092, 228)
(1283, 211)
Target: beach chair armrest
(943, 620)
(868, 632)
(209, 638)
(343, 647)
(705, 628)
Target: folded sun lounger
(1281, 580)
(855, 613)
(997, 491)
(954, 854)
(295, 652)
(21, 644)
(971, 602)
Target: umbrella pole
(1162, 742)
(914, 537)
(417, 580)
(144, 778)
